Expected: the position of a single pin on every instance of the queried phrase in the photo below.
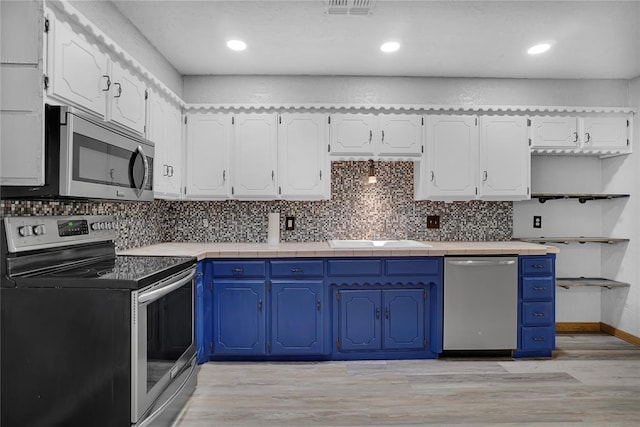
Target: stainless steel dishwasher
(480, 303)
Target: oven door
(102, 162)
(162, 338)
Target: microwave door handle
(155, 294)
(146, 168)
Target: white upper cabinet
(164, 128)
(555, 132)
(371, 136)
(303, 164)
(208, 137)
(605, 133)
(79, 72)
(127, 98)
(353, 134)
(254, 156)
(400, 134)
(582, 135)
(505, 158)
(451, 154)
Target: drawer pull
(296, 270)
(237, 270)
(540, 288)
(538, 265)
(538, 314)
(538, 339)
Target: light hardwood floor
(593, 379)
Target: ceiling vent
(349, 7)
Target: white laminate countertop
(322, 249)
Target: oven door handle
(154, 294)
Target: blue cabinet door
(404, 322)
(239, 317)
(359, 320)
(296, 317)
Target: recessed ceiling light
(236, 45)
(390, 47)
(539, 48)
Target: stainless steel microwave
(87, 158)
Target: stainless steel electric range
(89, 337)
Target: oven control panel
(41, 232)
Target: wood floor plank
(593, 379)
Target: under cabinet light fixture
(539, 48)
(389, 47)
(372, 173)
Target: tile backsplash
(356, 210)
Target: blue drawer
(239, 269)
(354, 267)
(298, 269)
(537, 288)
(412, 267)
(537, 266)
(537, 313)
(538, 338)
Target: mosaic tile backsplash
(357, 210)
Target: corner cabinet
(470, 157)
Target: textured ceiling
(439, 38)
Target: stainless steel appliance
(480, 303)
(89, 337)
(88, 158)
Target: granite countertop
(322, 249)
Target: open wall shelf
(571, 282)
(582, 198)
(567, 240)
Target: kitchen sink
(356, 244)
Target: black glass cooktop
(123, 271)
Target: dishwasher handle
(483, 263)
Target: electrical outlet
(290, 223)
(537, 221)
(433, 221)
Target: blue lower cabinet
(404, 321)
(384, 319)
(360, 322)
(239, 317)
(297, 320)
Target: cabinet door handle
(575, 136)
(224, 176)
(273, 174)
(485, 175)
(320, 175)
(387, 313)
(170, 171)
(538, 314)
(370, 135)
(433, 176)
(119, 90)
(260, 304)
(108, 83)
(166, 170)
(587, 137)
(377, 312)
(382, 136)
(318, 305)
